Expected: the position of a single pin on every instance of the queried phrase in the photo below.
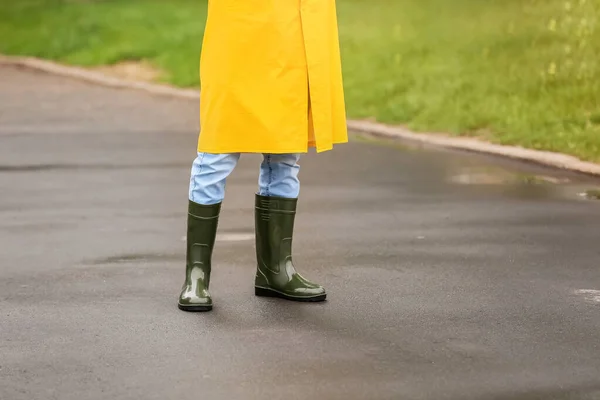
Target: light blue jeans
(278, 176)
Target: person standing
(271, 83)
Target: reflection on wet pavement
(515, 178)
(523, 184)
(137, 258)
(593, 194)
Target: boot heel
(263, 292)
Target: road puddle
(593, 194)
(135, 258)
(525, 184)
(488, 175)
(513, 178)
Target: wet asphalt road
(450, 275)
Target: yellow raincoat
(271, 78)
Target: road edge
(546, 158)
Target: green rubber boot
(201, 232)
(276, 275)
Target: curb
(546, 158)
(96, 77)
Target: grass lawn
(523, 72)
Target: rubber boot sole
(194, 308)
(262, 292)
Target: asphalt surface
(450, 275)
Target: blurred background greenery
(521, 72)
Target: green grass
(524, 72)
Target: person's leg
(275, 212)
(208, 177)
(207, 190)
(279, 176)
